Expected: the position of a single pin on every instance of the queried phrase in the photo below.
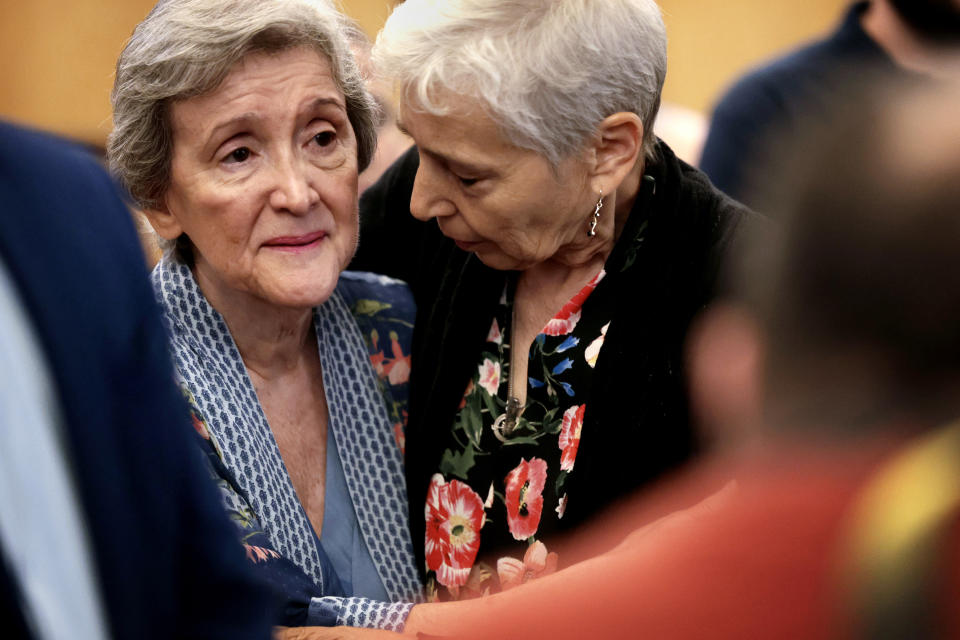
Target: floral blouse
(498, 496)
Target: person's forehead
(252, 84)
(464, 131)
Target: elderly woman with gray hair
(239, 129)
(557, 251)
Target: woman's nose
(429, 198)
(293, 190)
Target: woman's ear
(164, 222)
(618, 145)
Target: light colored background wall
(713, 41)
(57, 56)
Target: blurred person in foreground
(841, 338)
(557, 251)
(109, 525)
(753, 127)
(239, 128)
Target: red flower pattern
(259, 554)
(569, 440)
(466, 394)
(457, 566)
(524, 497)
(454, 514)
(397, 369)
(400, 436)
(377, 358)
(199, 425)
(568, 316)
(564, 322)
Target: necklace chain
(506, 422)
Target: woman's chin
(501, 261)
(303, 290)
(299, 282)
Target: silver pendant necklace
(507, 421)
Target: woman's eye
(325, 138)
(239, 154)
(467, 182)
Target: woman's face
(503, 203)
(264, 181)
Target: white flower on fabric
(490, 376)
(592, 352)
(495, 335)
(488, 504)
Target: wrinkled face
(503, 203)
(264, 181)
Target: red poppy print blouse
(493, 504)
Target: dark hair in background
(935, 20)
(863, 274)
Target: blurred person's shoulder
(67, 235)
(778, 80)
(52, 176)
(42, 164)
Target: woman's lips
(296, 244)
(465, 245)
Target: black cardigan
(678, 232)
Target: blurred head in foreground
(841, 329)
(854, 301)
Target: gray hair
(185, 48)
(548, 71)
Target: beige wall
(58, 58)
(713, 41)
(371, 14)
(58, 55)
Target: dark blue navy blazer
(758, 123)
(168, 562)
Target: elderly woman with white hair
(239, 129)
(557, 251)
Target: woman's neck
(272, 340)
(273, 346)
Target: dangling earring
(592, 231)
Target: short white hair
(547, 71)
